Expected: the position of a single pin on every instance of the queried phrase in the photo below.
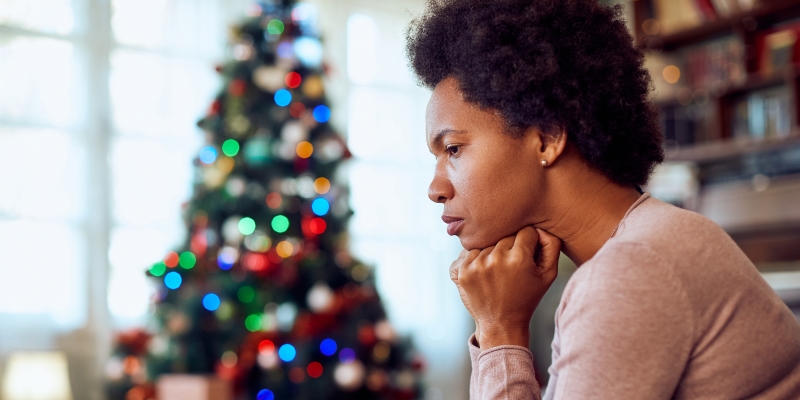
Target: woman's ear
(550, 145)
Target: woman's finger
(505, 244)
(526, 241)
(550, 251)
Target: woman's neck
(586, 213)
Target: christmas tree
(264, 292)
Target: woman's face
(489, 181)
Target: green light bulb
(230, 147)
(247, 226)
(187, 260)
(158, 268)
(280, 223)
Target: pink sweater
(669, 308)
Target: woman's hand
(501, 285)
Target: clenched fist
(501, 285)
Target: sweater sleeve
(502, 373)
(625, 328)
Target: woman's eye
(453, 150)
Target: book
(677, 15)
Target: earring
(544, 163)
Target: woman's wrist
(499, 336)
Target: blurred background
(99, 103)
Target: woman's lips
(453, 224)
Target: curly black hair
(557, 65)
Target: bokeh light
(246, 294)
(247, 225)
(211, 302)
(283, 97)
(253, 323)
(258, 242)
(187, 260)
(297, 109)
(287, 352)
(280, 223)
(274, 200)
(275, 27)
(171, 260)
(173, 280)
(320, 206)
(322, 113)
(671, 73)
(304, 149)
(322, 185)
(328, 347)
(158, 269)
(266, 347)
(317, 226)
(208, 154)
(227, 257)
(314, 369)
(284, 249)
(265, 394)
(230, 147)
(347, 355)
(293, 79)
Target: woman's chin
(471, 242)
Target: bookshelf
(727, 78)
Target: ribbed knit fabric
(669, 308)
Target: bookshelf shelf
(772, 11)
(718, 150)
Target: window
(98, 104)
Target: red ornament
(297, 109)
(366, 335)
(237, 87)
(216, 106)
(314, 369)
(135, 340)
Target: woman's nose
(440, 189)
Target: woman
(543, 134)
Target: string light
(275, 27)
(328, 347)
(284, 249)
(265, 394)
(293, 80)
(322, 113)
(208, 154)
(304, 149)
(317, 226)
(173, 280)
(158, 269)
(322, 185)
(347, 355)
(253, 323)
(258, 242)
(283, 97)
(266, 347)
(247, 226)
(314, 369)
(280, 223)
(187, 260)
(171, 260)
(287, 352)
(211, 302)
(230, 147)
(320, 206)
